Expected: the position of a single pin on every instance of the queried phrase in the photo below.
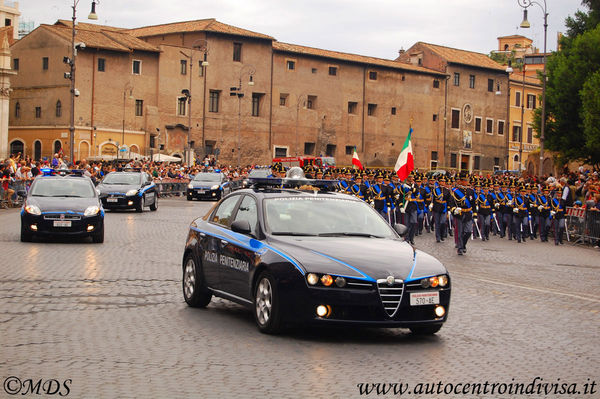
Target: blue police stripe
(365, 276)
(146, 188)
(412, 270)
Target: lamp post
(71, 74)
(202, 45)
(237, 91)
(522, 121)
(127, 87)
(301, 99)
(525, 4)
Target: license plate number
(62, 223)
(112, 200)
(200, 191)
(424, 298)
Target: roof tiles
(463, 57)
(206, 25)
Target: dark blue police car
(128, 189)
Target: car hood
(62, 204)
(204, 183)
(367, 258)
(116, 188)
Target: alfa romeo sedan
(211, 185)
(308, 256)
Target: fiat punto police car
(128, 189)
(308, 255)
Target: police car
(211, 185)
(62, 203)
(311, 256)
(128, 189)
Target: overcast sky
(377, 28)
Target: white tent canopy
(165, 158)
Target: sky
(377, 28)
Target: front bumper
(201, 193)
(72, 225)
(120, 201)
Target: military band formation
(462, 206)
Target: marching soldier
(410, 208)
(397, 198)
(357, 189)
(378, 195)
(420, 205)
(543, 203)
(520, 214)
(439, 208)
(427, 198)
(461, 198)
(507, 212)
(533, 211)
(557, 206)
(484, 211)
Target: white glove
(430, 206)
(402, 210)
(509, 203)
(497, 206)
(457, 211)
(540, 208)
(552, 213)
(515, 210)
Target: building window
(101, 64)
(311, 102)
(237, 52)
(16, 64)
(291, 65)
(501, 128)
(393, 110)
(453, 159)
(283, 99)
(152, 141)
(38, 112)
(17, 110)
(529, 135)
(433, 164)
(352, 106)
(183, 67)
(455, 119)
(456, 79)
(435, 117)
(58, 109)
(136, 67)
(496, 163)
(349, 150)
(139, 107)
(490, 85)
(516, 133)
(477, 162)
(181, 106)
(309, 148)
(477, 124)
(332, 71)
(372, 75)
(201, 67)
(213, 105)
(330, 150)
(314, 70)
(517, 99)
(489, 126)
(531, 101)
(371, 109)
(471, 81)
(280, 152)
(436, 84)
(45, 63)
(256, 97)
(7, 22)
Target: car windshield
(260, 173)
(122, 178)
(321, 216)
(64, 187)
(212, 177)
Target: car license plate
(112, 200)
(424, 298)
(200, 191)
(62, 223)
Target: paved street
(111, 318)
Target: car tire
(154, 205)
(98, 237)
(140, 206)
(195, 293)
(189, 198)
(25, 235)
(425, 330)
(267, 309)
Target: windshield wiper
(291, 233)
(349, 235)
(39, 195)
(68, 196)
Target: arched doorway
(530, 168)
(84, 149)
(37, 150)
(515, 162)
(16, 147)
(57, 146)
(547, 166)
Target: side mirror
(146, 183)
(400, 229)
(22, 193)
(241, 226)
(97, 191)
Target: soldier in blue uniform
(557, 206)
(507, 213)
(410, 208)
(520, 214)
(425, 191)
(378, 195)
(543, 206)
(439, 208)
(483, 208)
(534, 213)
(357, 189)
(461, 199)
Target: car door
(238, 256)
(150, 189)
(216, 241)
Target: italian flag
(356, 161)
(405, 163)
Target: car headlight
(312, 279)
(131, 192)
(190, 185)
(443, 281)
(215, 187)
(33, 209)
(91, 210)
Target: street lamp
(71, 75)
(522, 121)
(525, 4)
(301, 99)
(128, 87)
(249, 70)
(202, 45)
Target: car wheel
(189, 198)
(425, 330)
(98, 237)
(266, 304)
(154, 205)
(25, 235)
(195, 292)
(141, 205)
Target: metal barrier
(171, 187)
(583, 226)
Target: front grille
(58, 216)
(391, 295)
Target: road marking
(591, 299)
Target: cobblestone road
(110, 317)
